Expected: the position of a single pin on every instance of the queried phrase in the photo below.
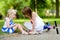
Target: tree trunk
(35, 6)
(57, 8)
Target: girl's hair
(27, 11)
(11, 11)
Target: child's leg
(47, 27)
(28, 25)
(20, 28)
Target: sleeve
(6, 18)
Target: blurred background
(48, 10)
(44, 8)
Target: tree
(40, 5)
(35, 6)
(57, 8)
(16, 4)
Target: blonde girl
(9, 26)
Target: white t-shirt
(39, 24)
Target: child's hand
(31, 32)
(13, 25)
(31, 21)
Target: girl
(9, 26)
(36, 24)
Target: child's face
(12, 13)
(13, 16)
(26, 15)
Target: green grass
(52, 20)
(21, 21)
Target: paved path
(44, 36)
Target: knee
(19, 24)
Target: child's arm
(33, 21)
(33, 26)
(8, 23)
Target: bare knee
(18, 25)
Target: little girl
(36, 24)
(9, 26)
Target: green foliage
(16, 4)
(41, 6)
(19, 4)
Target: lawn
(21, 21)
